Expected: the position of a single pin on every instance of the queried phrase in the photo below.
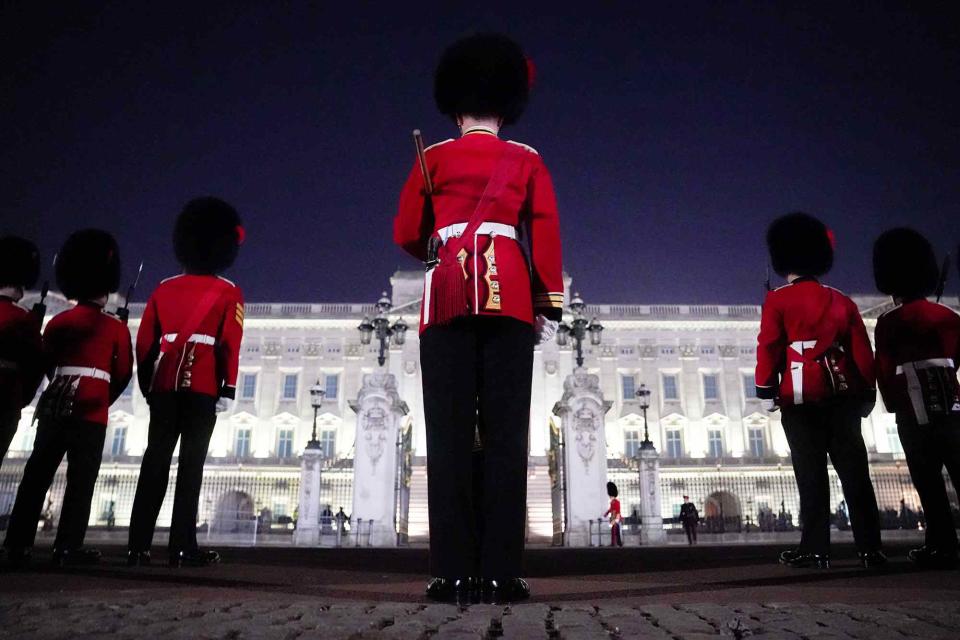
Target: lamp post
(380, 325)
(643, 396)
(317, 393)
(579, 329)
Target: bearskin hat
(88, 265)
(207, 235)
(483, 75)
(800, 244)
(904, 264)
(612, 490)
(19, 262)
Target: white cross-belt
(83, 372)
(199, 338)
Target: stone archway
(234, 513)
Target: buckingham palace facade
(716, 443)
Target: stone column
(581, 410)
(307, 533)
(651, 513)
(379, 411)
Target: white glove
(545, 329)
(769, 405)
(223, 405)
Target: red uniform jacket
(213, 308)
(925, 334)
(89, 360)
(614, 511)
(500, 281)
(800, 323)
(21, 364)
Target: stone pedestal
(651, 515)
(376, 463)
(307, 533)
(581, 410)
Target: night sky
(673, 135)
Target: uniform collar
(479, 128)
(805, 279)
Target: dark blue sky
(673, 135)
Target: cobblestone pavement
(174, 618)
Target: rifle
(942, 281)
(124, 312)
(766, 283)
(433, 244)
(40, 308)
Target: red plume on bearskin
(88, 265)
(19, 262)
(207, 236)
(799, 244)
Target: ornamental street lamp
(317, 393)
(380, 325)
(579, 329)
(643, 396)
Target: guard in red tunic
(918, 348)
(815, 363)
(89, 360)
(616, 518)
(188, 353)
(485, 303)
(21, 368)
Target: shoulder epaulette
(437, 144)
(229, 282)
(111, 315)
(179, 275)
(525, 146)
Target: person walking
(485, 305)
(690, 519)
(918, 348)
(815, 363)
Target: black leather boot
(503, 591)
(79, 555)
(933, 558)
(872, 559)
(194, 558)
(462, 591)
(18, 556)
(805, 559)
(138, 558)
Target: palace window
(749, 387)
(119, 444)
(242, 445)
(248, 386)
(893, 438)
(670, 391)
(629, 386)
(715, 443)
(328, 443)
(331, 384)
(290, 386)
(755, 436)
(711, 386)
(631, 443)
(285, 443)
(674, 444)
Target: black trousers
(190, 418)
(8, 428)
(82, 442)
(477, 370)
(814, 432)
(929, 448)
(691, 531)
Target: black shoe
(79, 555)
(138, 558)
(497, 591)
(790, 555)
(462, 591)
(194, 558)
(932, 558)
(803, 560)
(872, 559)
(18, 556)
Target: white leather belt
(8, 365)
(485, 229)
(83, 372)
(199, 338)
(932, 363)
